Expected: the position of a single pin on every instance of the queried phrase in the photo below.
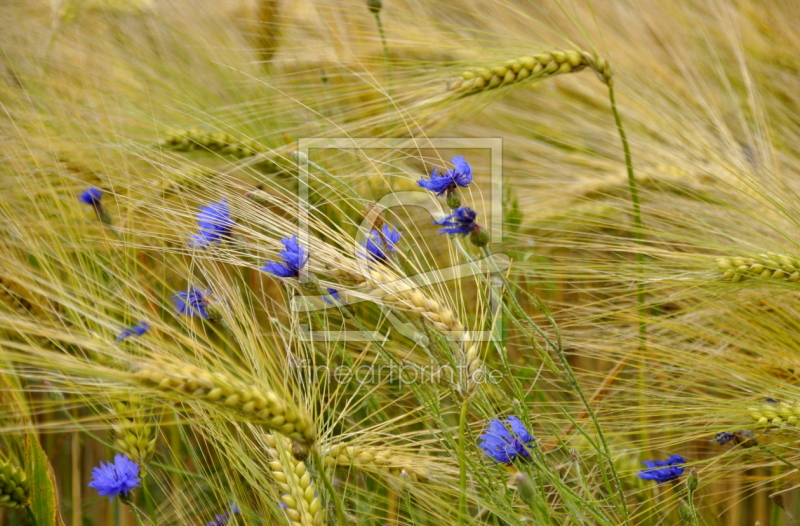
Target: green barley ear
(14, 486)
(775, 413)
(376, 460)
(199, 139)
(764, 266)
(540, 66)
(298, 491)
(627, 462)
(134, 433)
(470, 370)
(252, 402)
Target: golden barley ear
(376, 460)
(765, 266)
(255, 404)
(299, 496)
(539, 66)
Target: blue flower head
(293, 259)
(334, 295)
(460, 175)
(192, 303)
(506, 440)
(222, 519)
(137, 330)
(380, 244)
(461, 222)
(663, 470)
(117, 479)
(215, 224)
(91, 196)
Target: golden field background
(708, 93)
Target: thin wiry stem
(462, 461)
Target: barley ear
(299, 496)
(764, 266)
(775, 413)
(539, 66)
(14, 486)
(376, 460)
(252, 402)
(134, 432)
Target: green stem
(462, 460)
(777, 456)
(638, 234)
(637, 219)
(136, 514)
(31, 515)
(588, 407)
(337, 503)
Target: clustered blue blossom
(663, 470)
(192, 303)
(460, 175)
(507, 440)
(91, 196)
(222, 519)
(117, 479)
(215, 223)
(461, 222)
(380, 244)
(293, 259)
(137, 330)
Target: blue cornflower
(117, 479)
(380, 244)
(294, 258)
(192, 303)
(333, 294)
(91, 196)
(461, 222)
(215, 224)
(460, 175)
(505, 440)
(663, 470)
(222, 519)
(137, 330)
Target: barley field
(399, 262)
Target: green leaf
(44, 504)
(44, 501)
